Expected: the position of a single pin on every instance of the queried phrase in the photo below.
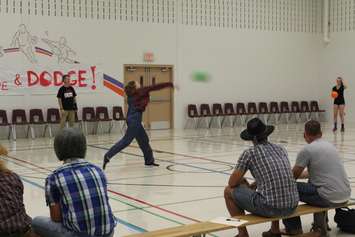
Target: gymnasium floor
(187, 187)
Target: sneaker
(335, 129)
(106, 161)
(342, 129)
(318, 231)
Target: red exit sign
(149, 57)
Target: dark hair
(260, 140)
(70, 143)
(130, 88)
(313, 128)
(66, 76)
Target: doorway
(159, 112)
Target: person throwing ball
(339, 103)
(137, 99)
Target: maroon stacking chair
(305, 109)
(263, 111)
(274, 111)
(241, 113)
(285, 110)
(102, 115)
(19, 118)
(36, 119)
(229, 113)
(315, 109)
(217, 114)
(296, 110)
(4, 122)
(192, 115)
(53, 117)
(118, 116)
(88, 116)
(206, 114)
(252, 109)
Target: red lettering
(57, 78)
(3, 86)
(43, 81)
(46, 78)
(32, 78)
(81, 78)
(72, 81)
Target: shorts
(251, 201)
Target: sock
(335, 125)
(342, 125)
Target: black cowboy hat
(256, 129)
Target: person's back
(79, 185)
(270, 166)
(76, 193)
(13, 218)
(326, 170)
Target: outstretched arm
(156, 87)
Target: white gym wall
(254, 50)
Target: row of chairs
(36, 117)
(227, 113)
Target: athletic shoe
(335, 129)
(342, 128)
(106, 161)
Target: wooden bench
(203, 228)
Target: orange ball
(335, 94)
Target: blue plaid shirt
(80, 188)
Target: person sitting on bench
(328, 184)
(276, 194)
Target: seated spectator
(76, 193)
(328, 184)
(14, 222)
(276, 194)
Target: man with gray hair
(76, 193)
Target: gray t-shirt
(326, 170)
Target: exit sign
(149, 57)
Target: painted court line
(119, 194)
(136, 228)
(125, 223)
(167, 161)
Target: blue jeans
(136, 131)
(45, 227)
(251, 201)
(308, 194)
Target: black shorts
(339, 102)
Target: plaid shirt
(13, 217)
(269, 165)
(80, 188)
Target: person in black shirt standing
(67, 102)
(339, 103)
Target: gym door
(159, 112)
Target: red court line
(118, 194)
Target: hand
(253, 186)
